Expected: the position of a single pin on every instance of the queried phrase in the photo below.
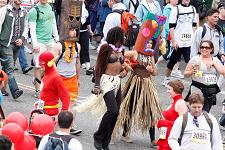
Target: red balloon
(27, 143)
(42, 125)
(14, 132)
(18, 118)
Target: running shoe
(165, 81)
(74, 131)
(177, 74)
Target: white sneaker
(165, 81)
(88, 65)
(83, 66)
(91, 46)
(177, 74)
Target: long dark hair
(115, 36)
(102, 61)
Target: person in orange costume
(52, 88)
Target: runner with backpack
(61, 140)
(122, 18)
(196, 129)
(209, 31)
(182, 24)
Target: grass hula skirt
(141, 95)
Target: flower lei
(69, 55)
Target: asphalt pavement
(86, 121)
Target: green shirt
(43, 23)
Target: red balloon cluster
(18, 118)
(42, 125)
(17, 124)
(28, 143)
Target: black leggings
(84, 44)
(104, 132)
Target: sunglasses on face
(205, 47)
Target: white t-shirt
(184, 24)
(73, 144)
(196, 138)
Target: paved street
(87, 122)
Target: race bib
(185, 37)
(199, 136)
(210, 79)
(40, 104)
(163, 131)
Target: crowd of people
(193, 29)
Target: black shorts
(176, 56)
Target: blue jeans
(93, 19)
(22, 58)
(7, 54)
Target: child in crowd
(34, 113)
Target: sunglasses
(205, 47)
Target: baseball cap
(221, 5)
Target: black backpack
(58, 142)
(184, 124)
(178, 13)
(218, 29)
(135, 5)
(130, 25)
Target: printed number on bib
(185, 37)
(163, 131)
(199, 137)
(210, 79)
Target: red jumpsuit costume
(53, 87)
(170, 115)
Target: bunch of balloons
(16, 126)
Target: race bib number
(163, 131)
(185, 37)
(210, 79)
(40, 104)
(199, 136)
